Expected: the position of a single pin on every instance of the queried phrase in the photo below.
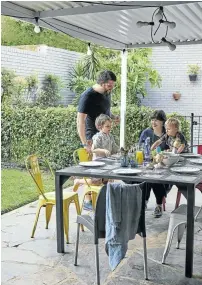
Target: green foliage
(24, 91)
(7, 85)
(20, 85)
(91, 65)
(79, 85)
(19, 189)
(139, 71)
(50, 93)
(52, 132)
(14, 88)
(193, 69)
(6, 119)
(32, 87)
(15, 33)
(83, 76)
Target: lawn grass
(18, 188)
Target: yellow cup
(82, 155)
(139, 156)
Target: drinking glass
(139, 153)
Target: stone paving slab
(36, 261)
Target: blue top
(153, 138)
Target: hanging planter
(176, 95)
(193, 70)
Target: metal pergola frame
(112, 25)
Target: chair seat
(95, 188)
(182, 210)
(51, 196)
(87, 221)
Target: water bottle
(147, 150)
(132, 158)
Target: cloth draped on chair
(123, 209)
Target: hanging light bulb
(171, 46)
(140, 24)
(89, 51)
(159, 14)
(37, 28)
(171, 25)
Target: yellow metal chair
(81, 155)
(47, 199)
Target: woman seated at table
(156, 131)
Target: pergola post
(124, 55)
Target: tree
(139, 71)
(50, 93)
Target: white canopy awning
(112, 24)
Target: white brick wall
(53, 61)
(172, 66)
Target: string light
(159, 16)
(142, 24)
(37, 28)
(89, 51)
(171, 46)
(171, 25)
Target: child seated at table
(173, 137)
(104, 143)
(101, 148)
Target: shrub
(193, 69)
(7, 85)
(19, 91)
(139, 71)
(52, 132)
(50, 93)
(32, 87)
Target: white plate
(92, 163)
(196, 160)
(116, 156)
(190, 155)
(185, 169)
(127, 171)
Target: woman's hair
(105, 76)
(159, 115)
(101, 120)
(174, 122)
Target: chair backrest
(197, 148)
(198, 216)
(81, 155)
(100, 213)
(32, 166)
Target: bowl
(170, 158)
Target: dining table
(108, 170)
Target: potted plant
(193, 70)
(176, 95)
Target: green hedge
(52, 132)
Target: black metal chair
(97, 227)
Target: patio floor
(36, 262)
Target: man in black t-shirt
(94, 101)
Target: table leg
(190, 231)
(59, 213)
